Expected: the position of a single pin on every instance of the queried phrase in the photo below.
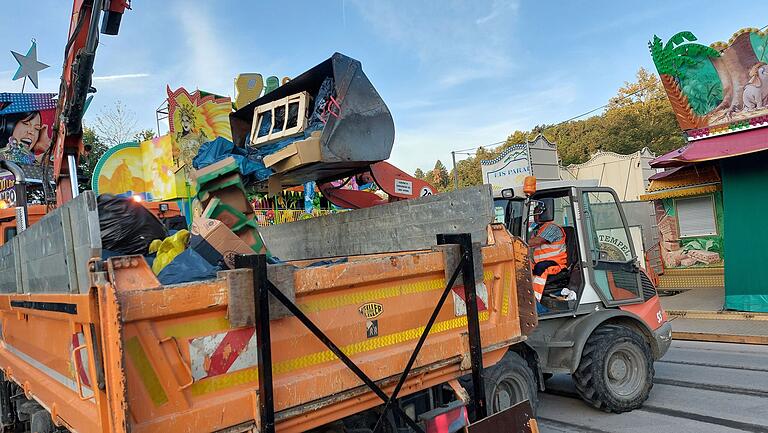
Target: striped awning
(681, 192)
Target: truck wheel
(509, 382)
(615, 373)
(41, 422)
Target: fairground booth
(713, 194)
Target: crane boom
(79, 55)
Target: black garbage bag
(187, 267)
(127, 227)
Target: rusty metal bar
(464, 240)
(420, 343)
(258, 263)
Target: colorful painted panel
(715, 89)
(681, 251)
(26, 124)
(144, 168)
(196, 118)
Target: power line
(629, 95)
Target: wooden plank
(720, 338)
(717, 315)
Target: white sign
(509, 169)
(403, 187)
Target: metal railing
(267, 217)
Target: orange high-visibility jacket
(556, 251)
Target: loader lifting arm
(398, 184)
(79, 55)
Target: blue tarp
(187, 267)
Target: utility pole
(455, 172)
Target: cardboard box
(215, 170)
(231, 217)
(231, 196)
(216, 243)
(296, 154)
(252, 238)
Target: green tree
(88, 161)
(439, 178)
(418, 174)
(640, 115)
(116, 124)
(144, 135)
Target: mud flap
(518, 418)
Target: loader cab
(602, 264)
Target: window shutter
(696, 216)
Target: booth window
(696, 216)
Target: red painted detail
(649, 311)
(229, 349)
(79, 361)
(451, 421)
(459, 291)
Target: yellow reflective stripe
(218, 383)
(361, 297)
(197, 328)
(224, 381)
(506, 288)
(146, 372)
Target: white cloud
(207, 61)
(448, 42)
(432, 135)
(120, 77)
(498, 7)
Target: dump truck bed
(130, 354)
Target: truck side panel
(185, 365)
(48, 349)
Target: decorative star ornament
(28, 65)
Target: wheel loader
(608, 327)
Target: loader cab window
(563, 288)
(563, 212)
(10, 233)
(613, 259)
(510, 213)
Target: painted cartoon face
(27, 131)
(186, 123)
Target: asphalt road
(699, 387)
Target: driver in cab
(548, 246)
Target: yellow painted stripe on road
(241, 377)
(146, 372)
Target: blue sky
(455, 74)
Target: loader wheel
(509, 382)
(615, 373)
(41, 422)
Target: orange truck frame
(110, 349)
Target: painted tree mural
(717, 84)
(672, 60)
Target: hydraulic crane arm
(79, 55)
(398, 184)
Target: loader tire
(509, 382)
(41, 422)
(615, 373)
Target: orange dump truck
(101, 346)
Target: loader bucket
(358, 130)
